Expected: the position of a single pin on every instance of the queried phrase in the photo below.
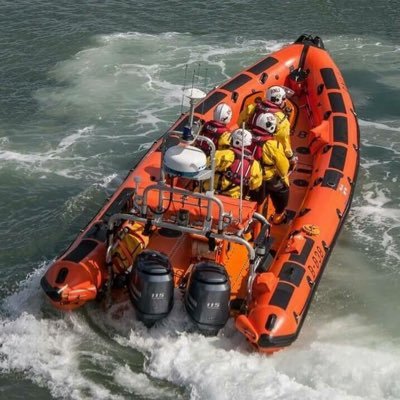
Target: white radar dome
(186, 161)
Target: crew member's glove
(285, 181)
(293, 162)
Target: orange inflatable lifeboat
(161, 234)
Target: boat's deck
(186, 248)
(299, 179)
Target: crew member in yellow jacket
(277, 95)
(275, 167)
(228, 167)
(217, 129)
(275, 100)
(275, 124)
(259, 119)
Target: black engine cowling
(207, 297)
(151, 286)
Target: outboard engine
(151, 286)
(207, 297)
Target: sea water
(86, 87)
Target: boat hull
(326, 139)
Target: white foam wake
(62, 353)
(323, 364)
(378, 125)
(345, 358)
(45, 162)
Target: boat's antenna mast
(193, 76)
(191, 102)
(184, 87)
(241, 178)
(194, 95)
(205, 89)
(198, 75)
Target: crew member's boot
(278, 219)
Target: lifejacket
(262, 107)
(129, 242)
(213, 130)
(260, 136)
(232, 174)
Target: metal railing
(141, 215)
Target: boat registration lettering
(317, 258)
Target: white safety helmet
(241, 137)
(223, 113)
(276, 95)
(267, 121)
